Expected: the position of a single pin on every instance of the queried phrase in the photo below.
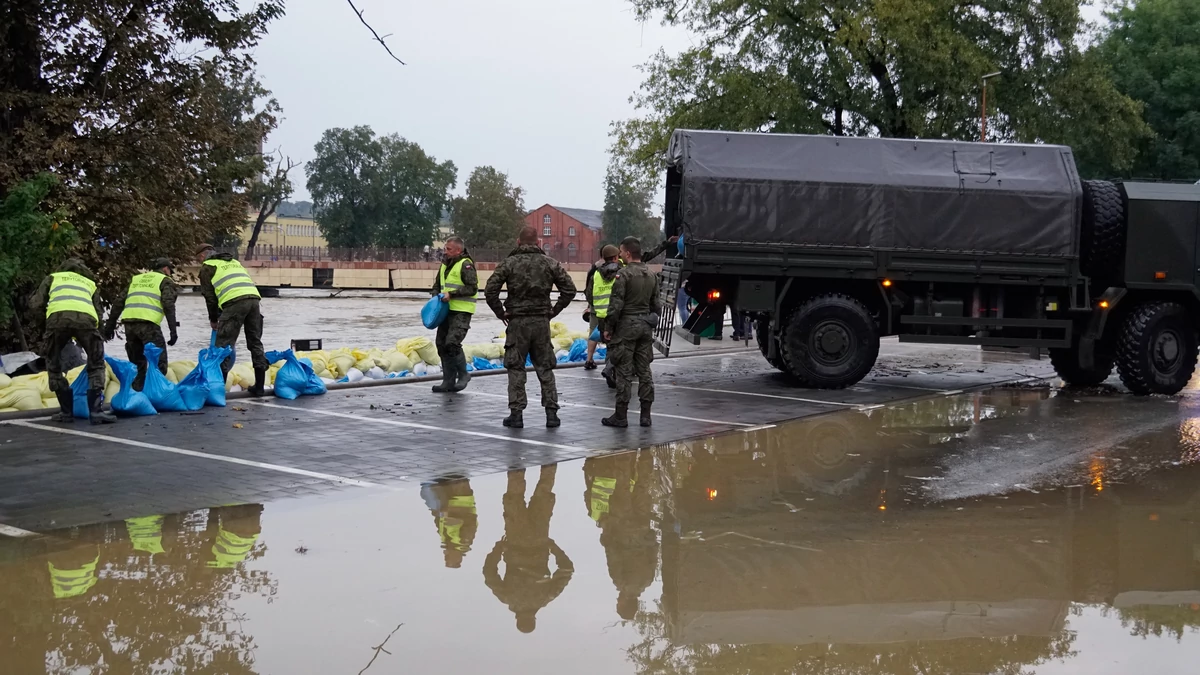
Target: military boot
(515, 420)
(449, 372)
(96, 414)
(66, 407)
(552, 420)
(618, 418)
(260, 382)
(460, 363)
(645, 420)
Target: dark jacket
(470, 277)
(530, 274)
(66, 319)
(169, 292)
(635, 292)
(653, 253)
(607, 270)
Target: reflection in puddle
(821, 546)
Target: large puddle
(1009, 532)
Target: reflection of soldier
(73, 572)
(237, 528)
(529, 274)
(145, 533)
(453, 507)
(527, 585)
(618, 499)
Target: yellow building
(286, 231)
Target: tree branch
(377, 38)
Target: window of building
(546, 232)
(570, 231)
(571, 247)
(546, 219)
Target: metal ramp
(668, 290)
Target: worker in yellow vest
(457, 283)
(72, 307)
(233, 300)
(150, 299)
(598, 291)
(452, 504)
(618, 498)
(238, 527)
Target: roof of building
(589, 217)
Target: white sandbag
(561, 354)
(420, 369)
(376, 373)
(354, 375)
(433, 370)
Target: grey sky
(529, 87)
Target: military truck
(829, 244)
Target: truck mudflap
(669, 281)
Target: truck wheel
(1156, 351)
(830, 342)
(1102, 237)
(761, 328)
(1066, 364)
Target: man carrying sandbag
(233, 300)
(529, 274)
(457, 283)
(150, 298)
(73, 313)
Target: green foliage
(492, 212)
(1152, 48)
(382, 191)
(893, 68)
(33, 240)
(627, 208)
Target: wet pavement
(1030, 530)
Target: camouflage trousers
(451, 333)
(239, 314)
(529, 336)
(138, 334)
(88, 337)
(631, 351)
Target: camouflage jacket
(635, 292)
(529, 274)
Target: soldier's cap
(159, 263)
(609, 251)
(201, 248)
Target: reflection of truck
(830, 243)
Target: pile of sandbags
(32, 392)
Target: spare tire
(1102, 237)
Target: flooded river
(1017, 531)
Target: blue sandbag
(194, 388)
(601, 354)
(296, 378)
(127, 402)
(212, 344)
(480, 363)
(578, 351)
(596, 336)
(79, 389)
(168, 397)
(435, 312)
(210, 365)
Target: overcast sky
(529, 87)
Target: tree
(1150, 46)
(626, 208)
(492, 212)
(890, 68)
(267, 195)
(149, 113)
(377, 191)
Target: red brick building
(569, 235)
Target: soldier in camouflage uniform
(233, 304)
(529, 274)
(72, 305)
(461, 285)
(142, 321)
(632, 314)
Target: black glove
(173, 340)
(587, 315)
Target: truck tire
(1156, 350)
(1102, 236)
(1066, 364)
(830, 342)
(761, 328)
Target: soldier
(598, 292)
(617, 495)
(530, 274)
(73, 312)
(151, 296)
(632, 315)
(452, 504)
(457, 283)
(233, 300)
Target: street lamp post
(983, 106)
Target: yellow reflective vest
(231, 281)
(145, 533)
(71, 292)
(231, 548)
(143, 301)
(601, 294)
(451, 281)
(74, 582)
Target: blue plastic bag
(296, 378)
(127, 402)
(79, 389)
(167, 397)
(212, 344)
(578, 351)
(434, 312)
(601, 354)
(480, 363)
(596, 336)
(210, 365)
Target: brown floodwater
(1018, 531)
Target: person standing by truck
(632, 315)
(233, 303)
(457, 283)
(150, 298)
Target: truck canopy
(877, 193)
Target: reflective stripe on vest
(72, 583)
(231, 549)
(450, 526)
(71, 292)
(231, 281)
(452, 282)
(601, 294)
(145, 533)
(602, 490)
(143, 301)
